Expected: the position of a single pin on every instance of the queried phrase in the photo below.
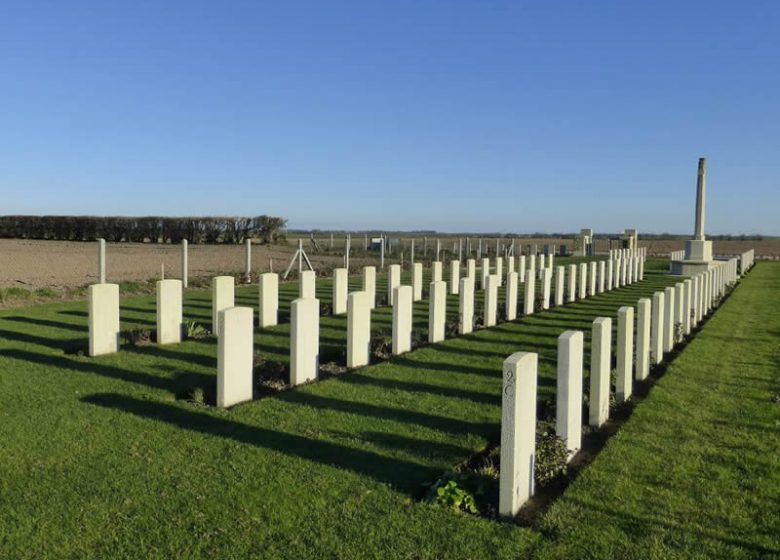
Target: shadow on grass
(402, 475)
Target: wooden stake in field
(184, 262)
(102, 260)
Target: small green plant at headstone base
(451, 493)
(551, 454)
(195, 330)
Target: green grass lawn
(104, 457)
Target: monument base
(689, 268)
(698, 258)
(698, 250)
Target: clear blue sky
(478, 116)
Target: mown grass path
(99, 458)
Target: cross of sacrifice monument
(698, 251)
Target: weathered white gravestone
(369, 284)
(530, 292)
(546, 283)
(417, 280)
(568, 409)
(340, 290)
(511, 296)
(436, 271)
(592, 278)
(670, 313)
(466, 305)
(307, 285)
(222, 297)
(560, 278)
(437, 311)
(602, 279)
(625, 353)
(169, 311)
(402, 320)
(521, 269)
(518, 433)
(485, 272)
(583, 280)
(687, 287)
(643, 339)
(610, 274)
(600, 360)
(103, 319)
(454, 277)
(393, 281)
(269, 299)
(235, 356)
(471, 270)
(657, 329)
(358, 329)
(304, 340)
(572, 282)
(491, 301)
(500, 270)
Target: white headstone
(670, 313)
(466, 305)
(307, 285)
(340, 290)
(235, 355)
(437, 312)
(491, 301)
(169, 311)
(546, 284)
(518, 433)
(610, 274)
(402, 320)
(436, 271)
(511, 296)
(222, 297)
(454, 277)
(600, 366)
(602, 278)
(530, 292)
(103, 319)
(521, 269)
(484, 273)
(625, 353)
(369, 284)
(269, 300)
(417, 281)
(572, 283)
(358, 329)
(393, 281)
(583, 280)
(643, 339)
(592, 278)
(304, 340)
(500, 270)
(568, 409)
(687, 286)
(560, 279)
(657, 329)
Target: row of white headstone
(305, 313)
(659, 326)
